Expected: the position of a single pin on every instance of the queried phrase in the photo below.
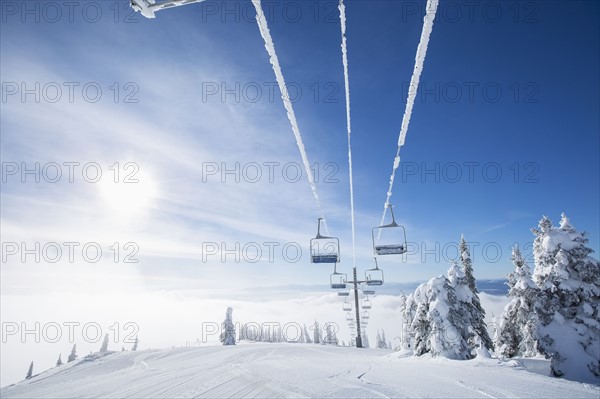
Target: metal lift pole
(357, 309)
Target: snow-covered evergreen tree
(104, 347)
(29, 372)
(478, 329)
(438, 325)
(378, 340)
(73, 355)
(365, 340)
(516, 332)
(307, 336)
(568, 310)
(408, 333)
(383, 340)
(317, 334)
(228, 334)
(59, 362)
(135, 344)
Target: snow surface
(292, 370)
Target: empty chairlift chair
(324, 249)
(366, 304)
(364, 315)
(391, 238)
(343, 293)
(347, 306)
(338, 280)
(367, 290)
(374, 276)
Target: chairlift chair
(364, 315)
(374, 276)
(324, 249)
(148, 7)
(343, 293)
(366, 304)
(349, 316)
(338, 280)
(392, 238)
(367, 290)
(347, 306)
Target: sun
(128, 197)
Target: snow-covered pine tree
(104, 347)
(516, 332)
(408, 333)
(317, 333)
(306, 335)
(438, 323)
(29, 372)
(135, 344)
(479, 333)
(378, 340)
(328, 334)
(228, 334)
(73, 355)
(59, 362)
(365, 340)
(383, 340)
(569, 304)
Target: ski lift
(338, 280)
(366, 304)
(367, 290)
(324, 249)
(347, 306)
(393, 242)
(148, 7)
(365, 315)
(349, 316)
(374, 276)
(343, 293)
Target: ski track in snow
(264, 370)
(431, 10)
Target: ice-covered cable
(285, 96)
(431, 10)
(342, 9)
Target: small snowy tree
(59, 362)
(73, 355)
(317, 333)
(104, 347)
(383, 340)
(29, 372)
(408, 333)
(306, 335)
(516, 334)
(228, 334)
(478, 329)
(568, 310)
(378, 340)
(135, 344)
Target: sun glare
(128, 197)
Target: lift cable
(431, 10)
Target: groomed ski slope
(290, 370)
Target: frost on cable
(569, 302)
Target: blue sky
(540, 131)
(543, 124)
